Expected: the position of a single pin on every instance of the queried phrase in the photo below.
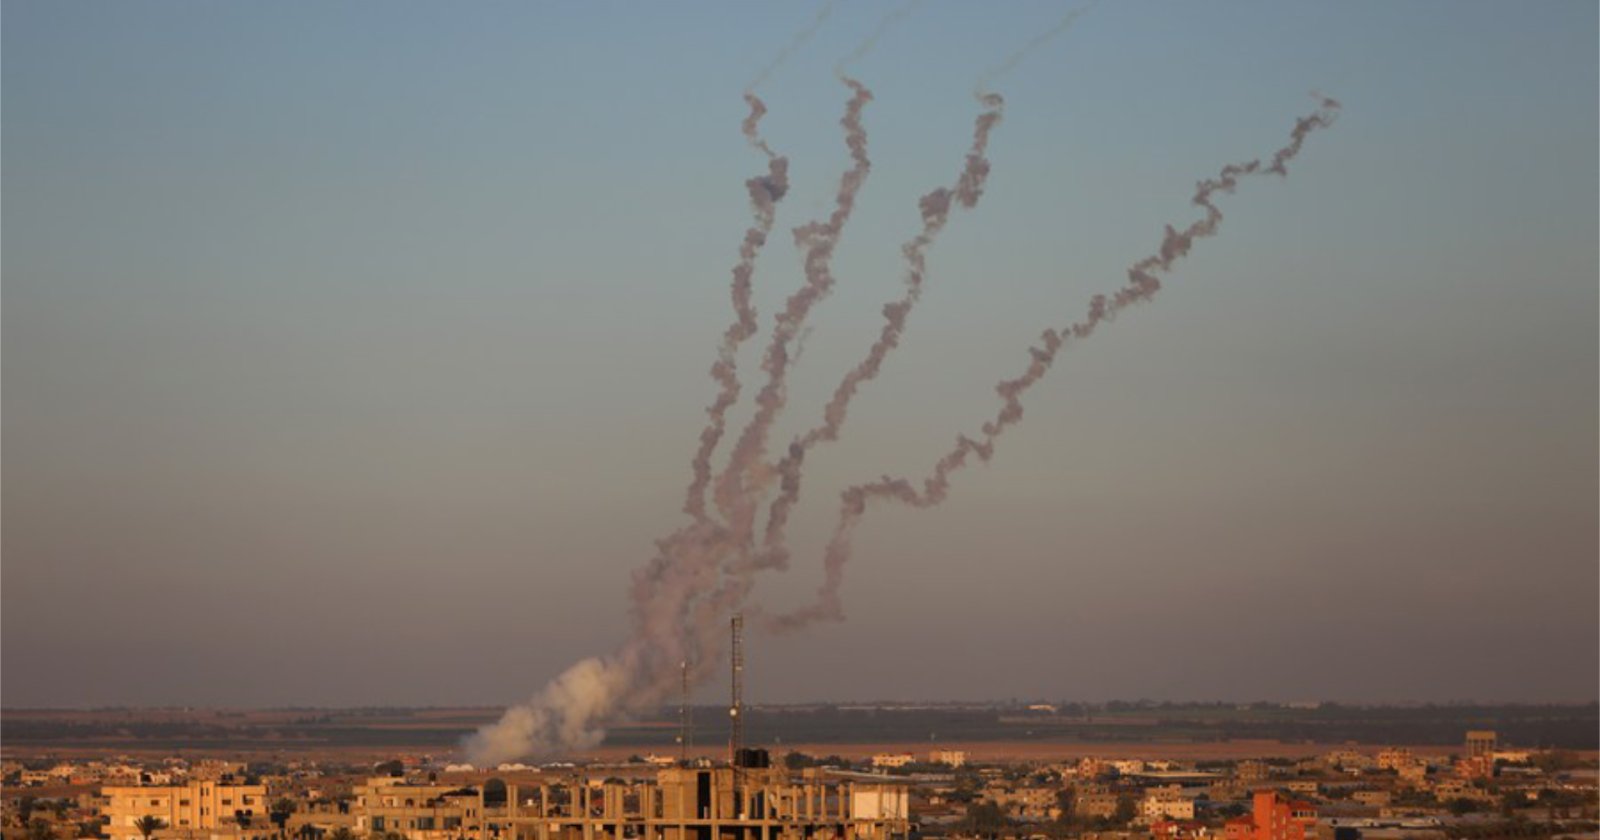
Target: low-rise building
(197, 806)
(1031, 802)
(954, 758)
(1165, 803)
(1096, 804)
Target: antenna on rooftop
(683, 716)
(736, 707)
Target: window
(183, 802)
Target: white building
(1166, 803)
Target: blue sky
(355, 353)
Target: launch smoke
(707, 568)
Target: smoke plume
(816, 241)
(935, 208)
(704, 570)
(1142, 285)
(765, 193)
(676, 616)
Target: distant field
(1150, 730)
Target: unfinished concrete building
(703, 803)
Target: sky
(355, 353)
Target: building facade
(186, 810)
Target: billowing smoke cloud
(1142, 285)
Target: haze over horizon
(354, 355)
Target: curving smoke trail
(706, 568)
(816, 240)
(1011, 61)
(765, 193)
(871, 41)
(800, 38)
(676, 618)
(935, 207)
(1142, 285)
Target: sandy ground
(978, 751)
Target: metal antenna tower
(683, 716)
(736, 708)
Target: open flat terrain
(1176, 731)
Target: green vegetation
(149, 825)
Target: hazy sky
(355, 353)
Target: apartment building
(417, 811)
(1165, 803)
(186, 810)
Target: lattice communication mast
(685, 724)
(736, 707)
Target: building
(697, 803)
(418, 811)
(1032, 803)
(1481, 743)
(1372, 798)
(185, 809)
(954, 758)
(1239, 828)
(885, 760)
(1166, 803)
(1276, 817)
(1096, 804)
(1413, 775)
(1395, 758)
(1251, 770)
(1479, 763)
(1180, 830)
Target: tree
(149, 825)
(280, 811)
(342, 833)
(798, 760)
(40, 830)
(393, 767)
(1066, 803)
(986, 819)
(1127, 809)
